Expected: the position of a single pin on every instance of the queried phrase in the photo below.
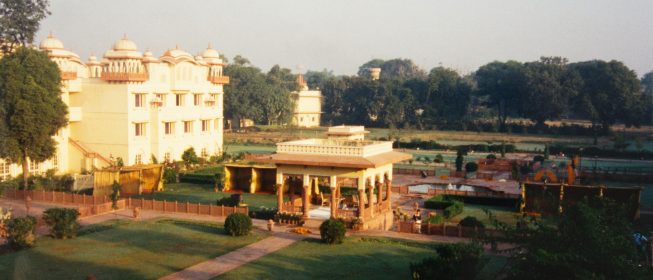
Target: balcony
(125, 77)
(221, 80)
(68, 75)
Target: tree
(115, 194)
(448, 96)
(31, 109)
(591, 240)
(609, 92)
(504, 85)
(19, 21)
(647, 97)
(549, 89)
(401, 69)
(190, 157)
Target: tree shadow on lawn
(356, 259)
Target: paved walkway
(222, 264)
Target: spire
(209, 47)
(124, 36)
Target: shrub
(491, 156)
(197, 178)
(435, 220)
(238, 224)
(190, 157)
(263, 213)
(332, 231)
(20, 232)
(62, 222)
(451, 261)
(471, 167)
(438, 158)
(437, 202)
(456, 208)
(230, 201)
(169, 175)
(470, 221)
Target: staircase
(87, 152)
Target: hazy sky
(341, 35)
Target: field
(196, 193)
(123, 250)
(356, 258)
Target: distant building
(134, 106)
(308, 105)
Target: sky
(341, 35)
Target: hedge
(332, 231)
(489, 201)
(435, 220)
(451, 206)
(20, 232)
(197, 178)
(62, 222)
(238, 224)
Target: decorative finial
(209, 47)
(124, 36)
(50, 34)
(176, 46)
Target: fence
(94, 205)
(433, 192)
(446, 230)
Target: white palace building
(133, 105)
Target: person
(417, 219)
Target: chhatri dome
(51, 43)
(124, 44)
(210, 55)
(123, 49)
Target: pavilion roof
(336, 161)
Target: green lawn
(254, 149)
(210, 170)
(123, 250)
(195, 193)
(356, 258)
(505, 215)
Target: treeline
(602, 92)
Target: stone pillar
(379, 195)
(280, 197)
(334, 202)
(369, 199)
(361, 202)
(305, 202)
(388, 184)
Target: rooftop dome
(149, 57)
(51, 43)
(92, 60)
(210, 53)
(177, 52)
(124, 44)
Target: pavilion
(350, 175)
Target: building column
(379, 194)
(369, 199)
(280, 197)
(388, 190)
(333, 185)
(361, 202)
(305, 202)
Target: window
(169, 128)
(204, 153)
(206, 125)
(33, 167)
(139, 159)
(55, 161)
(188, 126)
(139, 100)
(4, 170)
(139, 129)
(197, 99)
(162, 98)
(179, 100)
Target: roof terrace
(335, 147)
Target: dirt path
(222, 264)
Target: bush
(263, 213)
(471, 222)
(435, 220)
(456, 208)
(20, 232)
(437, 202)
(238, 224)
(332, 231)
(190, 157)
(62, 222)
(451, 261)
(197, 178)
(169, 175)
(438, 158)
(471, 167)
(230, 201)
(491, 156)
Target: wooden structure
(133, 180)
(250, 177)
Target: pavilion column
(280, 197)
(334, 202)
(388, 184)
(361, 202)
(369, 199)
(379, 194)
(305, 202)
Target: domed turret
(149, 57)
(211, 56)
(124, 44)
(92, 60)
(51, 43)
(123, 49)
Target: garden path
(222, 264)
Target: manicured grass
(502, 214)
(195, 193)
(356, 258)
(254, 149)
(123, 250)
(210, 170)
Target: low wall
(185, 207)
(446, 230)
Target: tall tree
(31, 109)
(647, 102)
(550, 85)
(19, 21)
(504, 84)
(246, 83)
(448, 96)
(401, 69)
(609, 92)
(317, 79)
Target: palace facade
(134, 106)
